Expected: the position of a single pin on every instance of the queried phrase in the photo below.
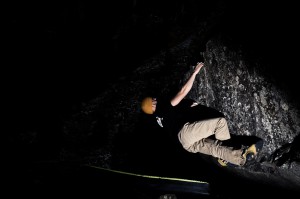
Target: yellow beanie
(147, 105)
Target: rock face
(254, 106)
(251, 102)
(107, 129)
(258, 97)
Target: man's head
(149, 105)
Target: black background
(60, 54)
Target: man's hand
(198, 67)
(187, 86)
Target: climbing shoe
(222, 162)
(225, 163)
(252, 151)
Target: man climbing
(195, 124)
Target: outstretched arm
(187, 86)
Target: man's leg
(193, 132)
(221, 131)
(209, 147)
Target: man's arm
(187, 86)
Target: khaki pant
(194, 138)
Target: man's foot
(225, 163)
(252, 151)
(222, 162)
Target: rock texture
(251, 101)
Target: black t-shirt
(172, 118)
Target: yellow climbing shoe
(252, 151)
(222, 162)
